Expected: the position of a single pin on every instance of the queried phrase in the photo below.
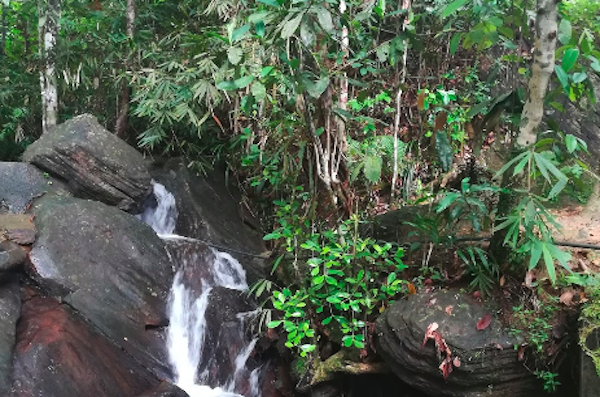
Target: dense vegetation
(330, 113)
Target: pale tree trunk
(546, 28)
(49, 15)
(123, 112)
(546, 31)
(405, 6)
(343, 101)
(4, 10)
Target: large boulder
(20, 183)
(59, 354)
(96, 163)
(211, 210)
(164, 389)
(488, 362)
(110, 267)
(10, 311)
(11, 256)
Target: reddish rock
(60, 355)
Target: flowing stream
(187, 333)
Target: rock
(20, 183)
(164, 389)
(96, 163)
(19, 228)
(589, 379)
(392, 226)
(10, 311)
(209, 209)
(11, 256)
(110, 267)
(488, 361)
(59, 355)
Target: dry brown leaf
(440, 120)
(529, 276)
(566, 298)
(421, 100)
(448, 310)
(484, 322)
(502, 281)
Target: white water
(187, 321)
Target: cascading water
(186, 338)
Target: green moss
(590, 318)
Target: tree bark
(49, 15)
(123, 109)
(4, 10)
(406, 4)
(546, 29)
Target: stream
(190, 354)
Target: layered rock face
(84, 286)
(488, 364)
(95, 163)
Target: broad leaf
(239, 33)
(571, 143)
(562, 77)
(317, 88)
(325, 20)
(372, 168)
(570, 58)
(444, 150)
(234, 55)
(271, 3)
(453, 7)
(565, 31)
(258, 90)
(290, 27)
(454, 43)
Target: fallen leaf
(484, 322)
(477, 294)
(456, 362)
(521, 353)
(421, 100)
(446, 367)
(448, 310)
(428, 281)
(502, 281)
(566, 298)
(431, 302)
(429, 333)
(411, 289)
(498, 346)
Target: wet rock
(489, 364)
(110, 267)
(11, 256)
(164, 389)
(210, 209)
(96, 163)
(20, 183)
(59, 355)
(589, 380)
(10, 311)
(18, 228)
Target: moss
(590, 318)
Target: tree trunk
(4, 10)
(405, 6)
(123, 109)
(546, 29)
(49, 15)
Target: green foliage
(550, 380)
(373, 156)
(484, 272)
(346, 281)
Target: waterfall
(187, 306)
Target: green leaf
(454, 42)
(595, 63)
(234, 55)
(562, 77)
(549, 262)
(272, 236)
(317, 88)
(569, 59)
(324, 18)
(372, 168)
(227, 85)
(258, 90)
(271, 3)
(453, 7)
(519, 167)
(239, 33)
(536, 254)
(444, 150)
(243, 82)
(290, 27)
(565, 31)
(274, 324)
(571, 143)
(264, 72)
(579, 77)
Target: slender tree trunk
(343, 101)
(49, 15)
(123, 112)
(405, 6)
(4, 10)
(546, 31)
